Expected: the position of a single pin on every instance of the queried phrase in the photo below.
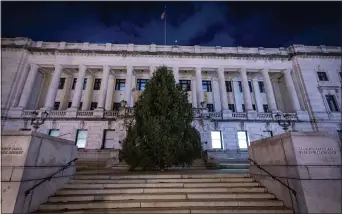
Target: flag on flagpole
(163, 14)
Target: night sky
(253, 24)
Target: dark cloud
(266, 24)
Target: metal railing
(277, 179)
(51, 176)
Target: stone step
(159, 196)
(222, 210)
(184, 180)
(158, 203)
(162, 190)
(159, 176)
(159, 185)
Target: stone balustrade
(198, 113)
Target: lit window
(54, 132)
(206, 86)
(81, 139)
(120, 84)
(185, 85)
(141, 83)
(216, 140)
(242, 139)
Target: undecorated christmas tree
(162, 134)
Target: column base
(227, 114)
(303, 115)
(251, 114)
(15, 112)
(98, 112)
(71, 112)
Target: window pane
(82, 135)
(243, 144)
(216, 135)
(81, 143)
(216, 144)
(54, 133)
(242, 135)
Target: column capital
(34, 66)
(264, 70)
(198, 69)
(129, 67)
(243, 70)
(105, 67)
(214, 79)
(82, 67)
(175, 68)
(220, 70)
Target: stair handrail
(272, 176)
(49, 177)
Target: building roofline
(153, 49)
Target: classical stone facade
(232, 89)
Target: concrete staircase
(183, 191)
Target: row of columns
(107, 88)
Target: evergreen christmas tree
(162, 134)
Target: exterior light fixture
(286, 123)
(36, 121)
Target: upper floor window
(81, 138)
(56, 105)
(229, 86)
(265, 107)
(332, 103)
(120, 84)
(141, 83)
(340, 74)
(250, 86)
(206, 86)
(322, 76)
(97, 84)
(185, 85)
(243, 108)
(254, 108)
(54, 132)
(69, 104)
(61, 83)
(240, 86)
(261, 87)
(74, 84)
(231, 107)
(93, 106)
(210, 107)
(84, 83)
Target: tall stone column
(110, 91)
(128, 85)
(199, 89)
(88, 93)
(245, 90)
(21, 86)
(175, 71)
(269, 91)
(291, 90)
(103, 89)
(223, 91)
(25, 95)
(258, 100)
(216, 94)
(53, 88)
(194, 94)
(79, 87)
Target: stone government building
(235, 91)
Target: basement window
(216, 140)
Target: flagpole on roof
(165, 26)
